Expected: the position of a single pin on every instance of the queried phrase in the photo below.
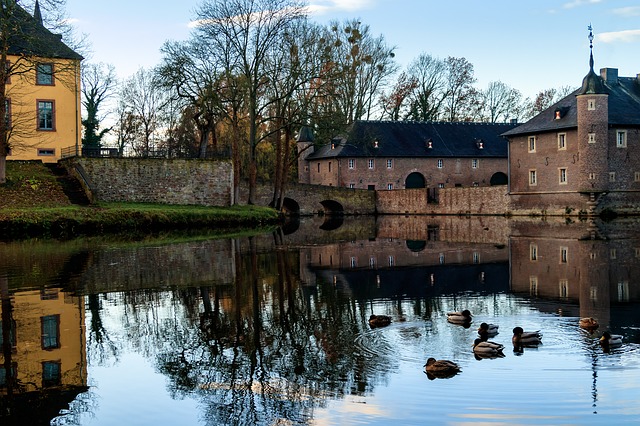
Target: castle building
(389, 155)
(42, 90)
(582, 153)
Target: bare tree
(427, 98)
(145, 99)
(459, 85)
(243, 32)
(501, 103)
(98, 86)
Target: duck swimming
(611, 340)
(589, 323)
(524, 338)
(441, 366)
(376, 321)
(459, 317)
(487, 330)
(487, 348)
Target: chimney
(609, 75)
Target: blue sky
(528, 45)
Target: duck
(487, 330)
(488, 347)
(441, 367)
(589, 323)
(521, 337)
(459, 317)
(376, 321)
(611, 340)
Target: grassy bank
(33, 203)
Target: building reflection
(43, 358)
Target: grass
(32, 203)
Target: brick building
(387, 155)
(582, 153)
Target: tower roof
(592, 83)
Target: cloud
(627, 36)
(578, 3)
(326, 6)
(627, 11)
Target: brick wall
(186, 182)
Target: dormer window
(429, 144)
(480, 144)
(558, 115)
(375, 143)
(333, 146)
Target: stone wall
(175, 181)
(492, 200)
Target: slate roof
(30, 37)
(410, 139)
(624, 109)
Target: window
(389, 186)
(441, 185)
(45, 115)
(352, 185)
(562, 141)
(474, 163)
(50, 327)
(8, 71)
(441, 258)
(533, 285)
(7, 113)
(352, 163)
(12, 335)
(353, 262)
(623, 291)
(533, 252)
(371, 163)
(476, 257)
(389, 164)
(563, 287)
(591, 104)
(318, 167)
(592, 138)
(613, 254)
(51, 375)
(532, 178)
(564, 254)
(46, 152)
(592, 176)
(372, 262)
(636, 177)
(44, 74)
(621, 138)
(563, 175)
(329, 166)
(532, 144)
(612, 176)
(440, 164)
(391, 260)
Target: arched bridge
(318, 199)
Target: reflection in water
(274, 329)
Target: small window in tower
(621, 138)
(636, 177)
(563, 176)
(533, 179)
(532, 144)
(592, 176)
(612, 176)
(592, 138)
(591, 104)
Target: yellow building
(42, 91)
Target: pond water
(272, 329)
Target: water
(272, 329)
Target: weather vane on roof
(590, 45)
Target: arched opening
(332, 222)
(499, 178)
(290, 206)
(416, 245)
(414, 180)
(332, 207)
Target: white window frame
(371, 163)
(389, 186)
(564, 254)
(352, 163)
(389, 163)
(533, 252)
(533, 177)
(562, 141)
(592, 138)
(591, 104)
(440, 163)
(532, 144)
(562, 175)
(474, 163)
(612, 176)
(621, 138)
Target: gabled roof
(624, 108)
(411, 139)
(29, 37)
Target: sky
(528, 45)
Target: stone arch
(414, 180)
(332, 222)
(499, 178)
(416, 245)
(290, 206)
(332, 207)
